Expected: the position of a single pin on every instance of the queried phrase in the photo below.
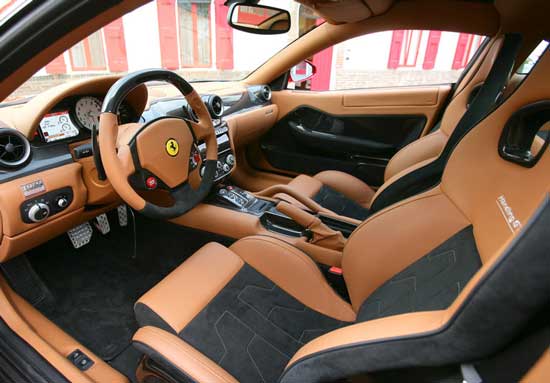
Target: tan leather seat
(460, 278)
(349, 196)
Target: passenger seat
(348, 196)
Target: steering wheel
(162, 153)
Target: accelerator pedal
(122, 211)
(102, 224)
(80, 235)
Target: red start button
(196, 157)
(151, 182)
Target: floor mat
(95, 287)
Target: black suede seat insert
(340, 204)
(252, 328)
(431, 283)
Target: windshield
(190, 37)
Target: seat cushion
(336, 191)
(248, 309)
(237, 317)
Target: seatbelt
(452, 94)
(483, 104)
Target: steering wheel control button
(39, 212)
(172, 147)
(194, 159)
(151, 183)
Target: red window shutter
(461, 49)
(116, 48)
(57, 66)
(224, 37)
(395, 49)
(168, 34)
(323, 64)
(431, 49)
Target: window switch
(80, 360)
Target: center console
(226, 157)
(234, 198)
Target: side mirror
(258, 19)
(302, 71)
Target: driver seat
(442, 278)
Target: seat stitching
(220, 337)
(252, 359)
(263, 316)
(259, 336)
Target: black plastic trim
(19, 362)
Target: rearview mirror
(302, 71)
(258, 19)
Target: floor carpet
(94, 288)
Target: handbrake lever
(321, 234)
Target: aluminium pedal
(122, 211)
(80, 235)
(102, 224)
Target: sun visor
(347, 11)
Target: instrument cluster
(75, 118)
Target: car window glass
(393, 58)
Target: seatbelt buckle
(336, 270)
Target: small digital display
(57, 126)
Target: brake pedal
(80, 235)
(122, 211)
(102, 223)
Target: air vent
(15, 149)
(214, 104)
(265, 93)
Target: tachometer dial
(87, 110)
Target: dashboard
(56, 185)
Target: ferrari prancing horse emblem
(172, 147)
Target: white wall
(141, 32)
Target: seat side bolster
(417, 151)
(173, 353)
(372, 331)
(350, 186)
(177, 299)
(294, 272)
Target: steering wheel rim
(133, 149)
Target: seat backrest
(428, 173)
(496, 208)
(432, 144)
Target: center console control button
(230, 159)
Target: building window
(89, 54)
(194, 33)
(410, 48)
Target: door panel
(353, 131)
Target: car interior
(297, 223)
